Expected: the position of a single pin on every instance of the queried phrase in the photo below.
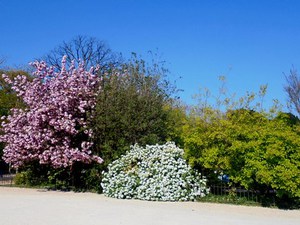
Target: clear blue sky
(251, 42)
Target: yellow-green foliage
(254, 150)
(257, 148)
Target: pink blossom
(56, 115)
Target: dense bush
(156, 172)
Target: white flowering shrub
(156, 172)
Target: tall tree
(88, 50)
(132, 108)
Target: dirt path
(37, 207)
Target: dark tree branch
(292, 89)
(2, 61)
(84, 49)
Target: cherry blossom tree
(53, 126)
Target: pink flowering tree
(52, 129)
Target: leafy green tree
(177, 122)
(132, 108)
(256, 149)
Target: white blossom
(156, 172)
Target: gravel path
(38, 207)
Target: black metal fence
(7, 179)
(237, 193)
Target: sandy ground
(39, 207)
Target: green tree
(256, 149)
(132, 108)
(176, 122)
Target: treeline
(135, 102)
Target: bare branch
(292, 89)
(2, 61)
(87, 49)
